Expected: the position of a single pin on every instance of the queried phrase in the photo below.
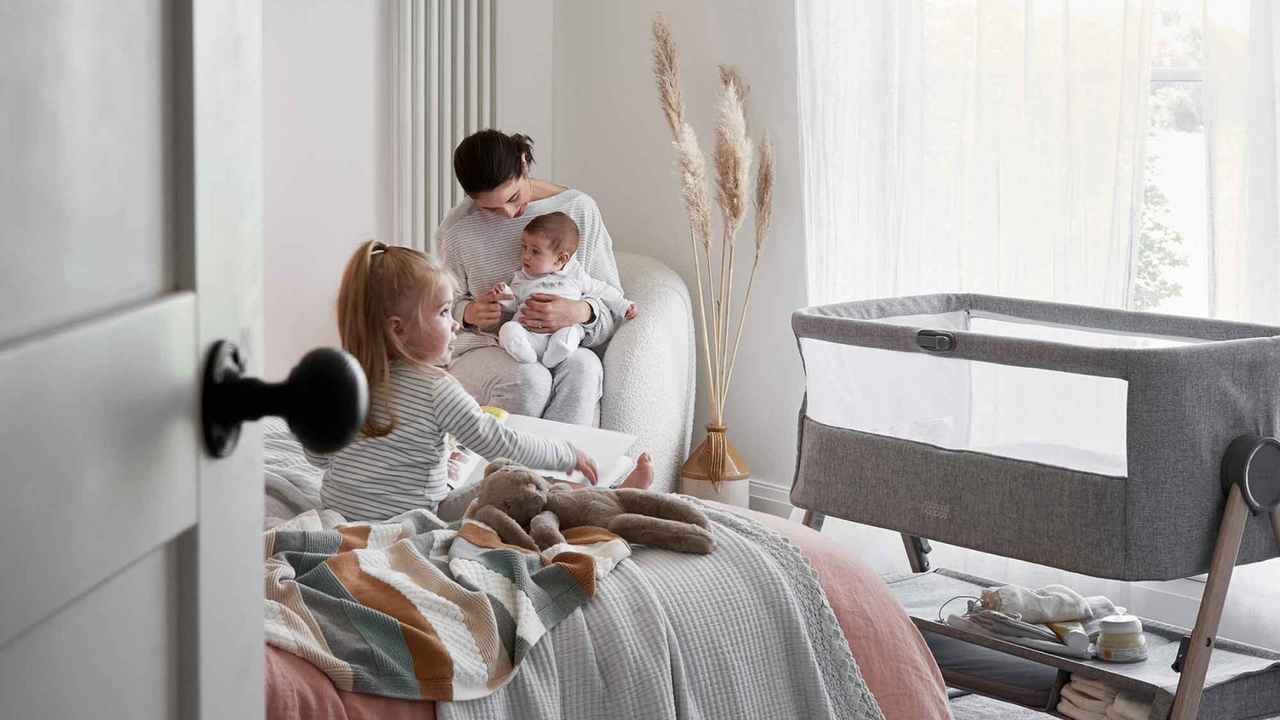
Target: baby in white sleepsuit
(548, 244)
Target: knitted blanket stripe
(416, 609)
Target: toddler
(548, 244)
(394, 317)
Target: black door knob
(324, 400)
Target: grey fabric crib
(1087, 439)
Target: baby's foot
(642, 477)
(515, 340)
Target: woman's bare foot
(642, 477)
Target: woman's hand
(485, 311)
(545, 313)
(585, 465)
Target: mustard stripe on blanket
(420, 610)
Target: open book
(608, 448)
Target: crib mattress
(1081, 438)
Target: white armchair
(650, 368)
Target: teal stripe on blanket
(551, 589)
(395, 664)
(366, 639)
(305, 541)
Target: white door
(130, 224)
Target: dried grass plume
(764, 193)
(732, 158)
(666, 75)
(693, 184)
(730, 74)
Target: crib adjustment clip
(936, 340)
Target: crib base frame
(1199, 645)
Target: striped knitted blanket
(417, 609)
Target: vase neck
(713, 428)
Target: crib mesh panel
(1041, 419)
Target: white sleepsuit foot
(562, 342)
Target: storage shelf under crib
(1243, 681)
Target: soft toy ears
(496, 465)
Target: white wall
(524, 76)
(327, 172)
(611, 141)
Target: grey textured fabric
(977, 707)
(292, 484)
(1243, 681)
(994, 504)
(1185, 404)
(744, 632)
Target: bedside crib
(1086, 439)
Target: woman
(479, 241)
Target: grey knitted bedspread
(744, 632)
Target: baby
(549, 242)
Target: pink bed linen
(893, 657)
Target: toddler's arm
(460, 415)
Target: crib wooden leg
(813, 519)
(1191, 685)
(917, 552)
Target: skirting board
(770, 497)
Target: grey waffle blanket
(744, 632)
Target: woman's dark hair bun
(489, 158)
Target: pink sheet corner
(297, 690)
(892, 655)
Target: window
(1173, 250)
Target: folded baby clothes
(1010, 625)
(1129, 706)
(1051, 603)
(1084, 702)
(966, 622)
(1094, 689)
(1066, 708)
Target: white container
(1122, 639)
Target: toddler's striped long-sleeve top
(375, 478)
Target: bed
(739, 640)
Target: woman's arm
(454, 263)
(595, 252)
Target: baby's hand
(631, 312)
(501, 289)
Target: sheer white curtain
(1240, 56)
(997, 146)
(991, 146)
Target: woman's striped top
(375, 478)
(482, 249)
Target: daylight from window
(1173, 253)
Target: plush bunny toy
(512, 496)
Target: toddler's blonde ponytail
(381, 280)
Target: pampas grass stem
(764, 217)
(731, 156)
